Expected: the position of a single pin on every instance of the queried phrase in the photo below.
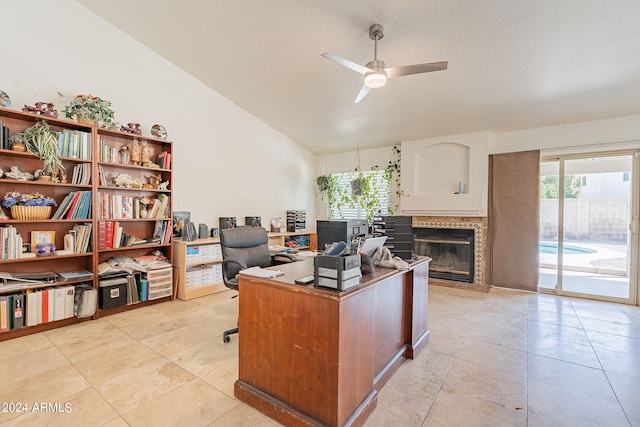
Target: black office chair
(242, 248)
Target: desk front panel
(288, 346)
(324, 353)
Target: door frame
(634, 240)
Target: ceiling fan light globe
(375, 79)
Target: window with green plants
(360, 195)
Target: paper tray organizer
(337, 272)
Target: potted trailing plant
(323, 182)
(89, 109)
(42, 141)
(393, 169)
(359, 184)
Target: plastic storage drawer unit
(160, 282)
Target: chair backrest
(249, 245)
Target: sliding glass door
(588, 214)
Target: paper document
(261, 272)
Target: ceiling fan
(376, 72)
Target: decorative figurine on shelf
(134, 128)
(62, 176)
(5, 101)
(163, 185)
(159, 131)
(17, 143)
(145, 154)
(135, 152)
(15, 173)
(125, 156)
(153, 181)
(127, 181)
(42, 108)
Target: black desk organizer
(337, 272)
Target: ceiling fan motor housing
(377, 77)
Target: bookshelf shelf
(128, 248)
(45, 258)
(82, 159)
(51, 221)
(132, 190)
(45, 184)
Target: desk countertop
(304, 268)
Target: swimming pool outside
(599, 258)
(552, 248)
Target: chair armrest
(233, 261)
(233, 282)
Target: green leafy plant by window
(393, 174)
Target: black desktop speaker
(227, 222)
(252, 221)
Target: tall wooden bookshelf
(96, 253)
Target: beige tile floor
(505, 358)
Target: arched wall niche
(441, 167)
(432, 170)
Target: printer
(340, 230)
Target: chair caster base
(225, 335)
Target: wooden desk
(310, 357)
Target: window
(625, 176)
(380, 183)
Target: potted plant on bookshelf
(89, 109)
(28, 206)
(42, 141)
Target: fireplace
(471, 229)
(451, 252)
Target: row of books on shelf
(78, 240)
(163, 160)
(75, 144)
(108, 153)
(76, 205)
(36, 307)
(81, 174)
(122, 206)
(111, 235)
(5, 143)
(11, 245)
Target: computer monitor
(371, 245)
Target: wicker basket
(30, 212)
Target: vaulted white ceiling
(513, 64)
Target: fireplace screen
(451, 251)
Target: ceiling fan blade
(405, 70)
(349, 64)
(363, 92)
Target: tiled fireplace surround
(479, 227)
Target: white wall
(226, 162)
(618, 133)
(597, 135)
